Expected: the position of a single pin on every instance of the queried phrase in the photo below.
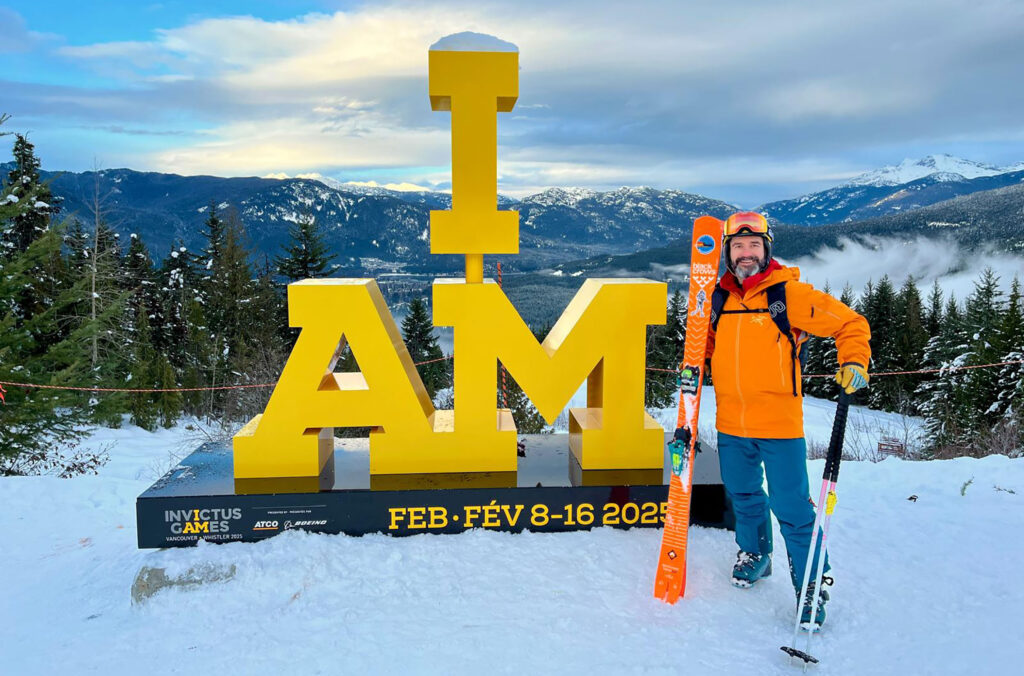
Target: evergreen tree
(226, 303)
(261, 356)
(183, 332)
(146, 311)
(420, 340)
(201, 361)
(306, 256)
(105, 318)
(144, 373)
(866, 307)
(819, 358)
(24, 217)
(37, 205)
(829, 356)
(144, 328)
(527, 418)
(943, 403)
(982, 319)
(848, 298)
(933, 318)
(139, 279)
(879, 308)
(233, 286)
(177, 290)
(933, 324)
(151, 369)
(209, 289)
(676, 325)
(866, 300)
(910, 336)
(169, 404)
(37, 320)
(665, 351)
(213, 233)
(36, 423)
(11, 206)
(1010, 383)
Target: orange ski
(670, 579)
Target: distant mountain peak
(948, 166)
(907, 186)
(569, 196)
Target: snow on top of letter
(468, 41)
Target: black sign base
(200, 500)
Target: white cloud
(287, 144)
(15, 37)
(520, 174)
(926, 259)
(142, 55)
(315, 49)
(827, 98)
(400, 187)
(282, 175)
(690, 96)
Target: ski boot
(750, 568)
(807, 623)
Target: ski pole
(822, 519)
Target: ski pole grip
(835, 444)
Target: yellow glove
(852, 376)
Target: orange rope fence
(136, 389)
(649, 368)
(431, 361)
(939, 370)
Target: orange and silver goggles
(749, 222)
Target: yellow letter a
(294, 437)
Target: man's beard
(754, 267)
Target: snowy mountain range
(376, 229)
(986, 221)
(373, 229)
(943, 167)
(912, 184)
(435, 199)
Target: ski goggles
(747, 222)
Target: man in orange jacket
(756, 375)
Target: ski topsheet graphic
(670, 580)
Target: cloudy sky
(746, 101)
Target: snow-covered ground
(923, 586)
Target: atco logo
(265, 525)
(194, 521)
(705, 244)
(304, 524)
(701, 269)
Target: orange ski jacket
(751, 363)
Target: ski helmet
(744, 223)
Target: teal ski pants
(784, 461)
